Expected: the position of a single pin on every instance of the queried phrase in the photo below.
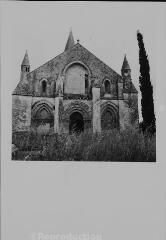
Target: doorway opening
(109, 120)
(76, 123)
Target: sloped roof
(23, 89)
(105, 66)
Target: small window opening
(107, 86)
(86, 83)
(44, 86)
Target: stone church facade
(75, 91)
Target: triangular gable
(76, 53)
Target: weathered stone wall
(96, 110)
(128, 111)
(58, 123)
(21, 113)
(131, 101)
(113, 90)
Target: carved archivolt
(111, 107)
(77, 106)
(40, 105)
(43, 79)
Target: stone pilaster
(120, 90)
(58, 105)
(96, 109)
(57, 114)
(122, 114)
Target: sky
(106, 29)
(117, 200)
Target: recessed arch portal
(82, 109)
(76, 123)
(42, 115)
(109, 117)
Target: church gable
(82, 59)
(78, 53)
(43, 80)
(97, 67)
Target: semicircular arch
(76, 63)
(81, 108)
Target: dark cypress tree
(147, 105)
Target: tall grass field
(129, 145)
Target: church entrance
(76, 123)
(109, 120)
(42, 119)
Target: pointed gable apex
(125, 63)
(25, 61)
(70, 41)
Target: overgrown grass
(128, 145)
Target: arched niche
(42, 114)
(109, 116)
(43, 87)
(77, 78)
(107, 87)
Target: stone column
(122, 112)
(96, 109)
(58, 105)
(56, 115)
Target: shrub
(27, 141)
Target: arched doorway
(76, 123)
(109, 120)
(42, 117)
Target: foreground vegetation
(127, 145)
